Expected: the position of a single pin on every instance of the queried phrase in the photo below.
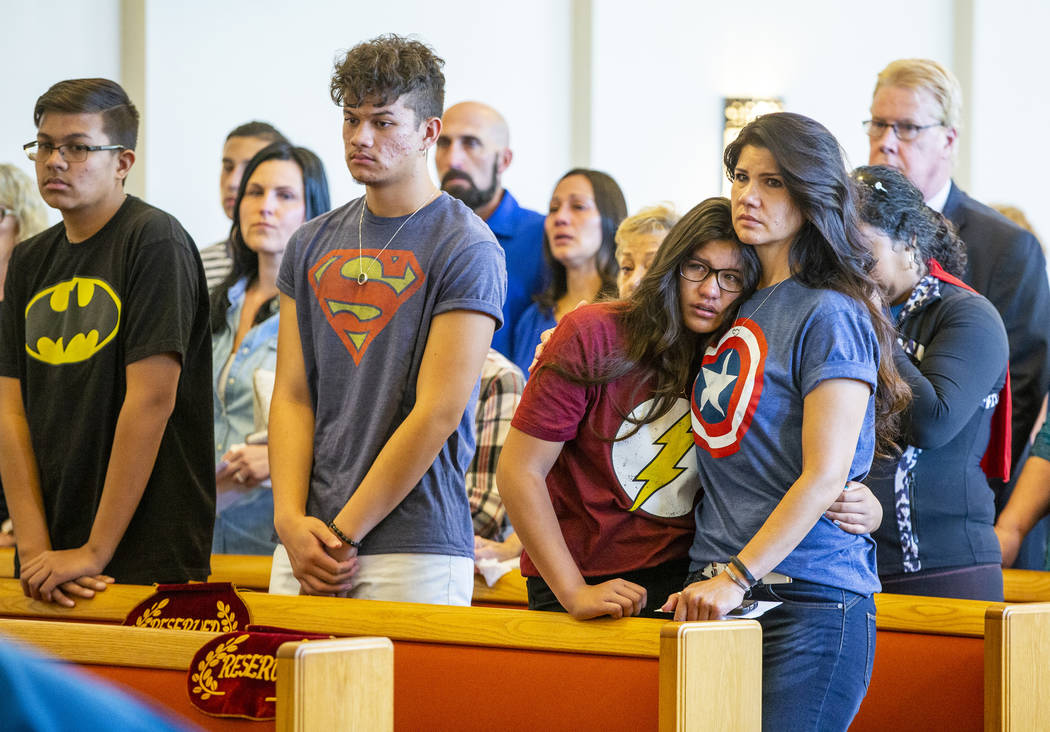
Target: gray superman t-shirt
(362, 348)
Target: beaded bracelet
(342, 537)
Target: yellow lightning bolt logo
(663, 468)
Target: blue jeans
(817, 652)
(246, 525)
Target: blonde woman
(22, 215)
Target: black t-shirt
(74, 316)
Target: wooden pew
(932, 657)
(968, 664)
(252, 572)
(1026, 585)
(1015, 697)
(363, 668)
(487, 668)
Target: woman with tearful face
(579, 248)
(598, 472)
(938, 537)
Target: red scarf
(996, 460)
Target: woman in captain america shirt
(789, 404)
(597, 473)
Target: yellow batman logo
(71, 321)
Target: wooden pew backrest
(359, 672)
(698, 690)
(1017, 674)
(361, 669)
(524, 670)
(1026, 585)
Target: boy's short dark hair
(384, 69)
(261, 130)
(120, 119)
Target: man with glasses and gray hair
(914, 127)
(105, 368)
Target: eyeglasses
(71, 152)
(695, 271)
(5, 212)
(905, 131)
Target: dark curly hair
(386, 68)
(893, 205)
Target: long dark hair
(245, 261)
(656, 338)
(608, 199)
(829, 252)
(892, 204)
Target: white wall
(660, 77)
(660, 71)
(76, 40)
(214, 65)
(1010, 108)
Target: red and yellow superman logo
(358, 312)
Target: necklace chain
(362, 276)
(753, 312)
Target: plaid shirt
(501, 385)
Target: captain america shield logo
(727, 388)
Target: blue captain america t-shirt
(747, 426)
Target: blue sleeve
(838, 344)
(41, 693)
(475, 279)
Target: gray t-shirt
(362, 348)
(747, 425)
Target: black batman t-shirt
(73, 317)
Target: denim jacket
(234, 415)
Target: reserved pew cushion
(235, 674)
(212, 607)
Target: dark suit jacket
(1006, 265)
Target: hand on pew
(59, 576)
(856, 510)
(322, 563)
(705, 600)
(616, 598)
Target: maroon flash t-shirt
(622, 505)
